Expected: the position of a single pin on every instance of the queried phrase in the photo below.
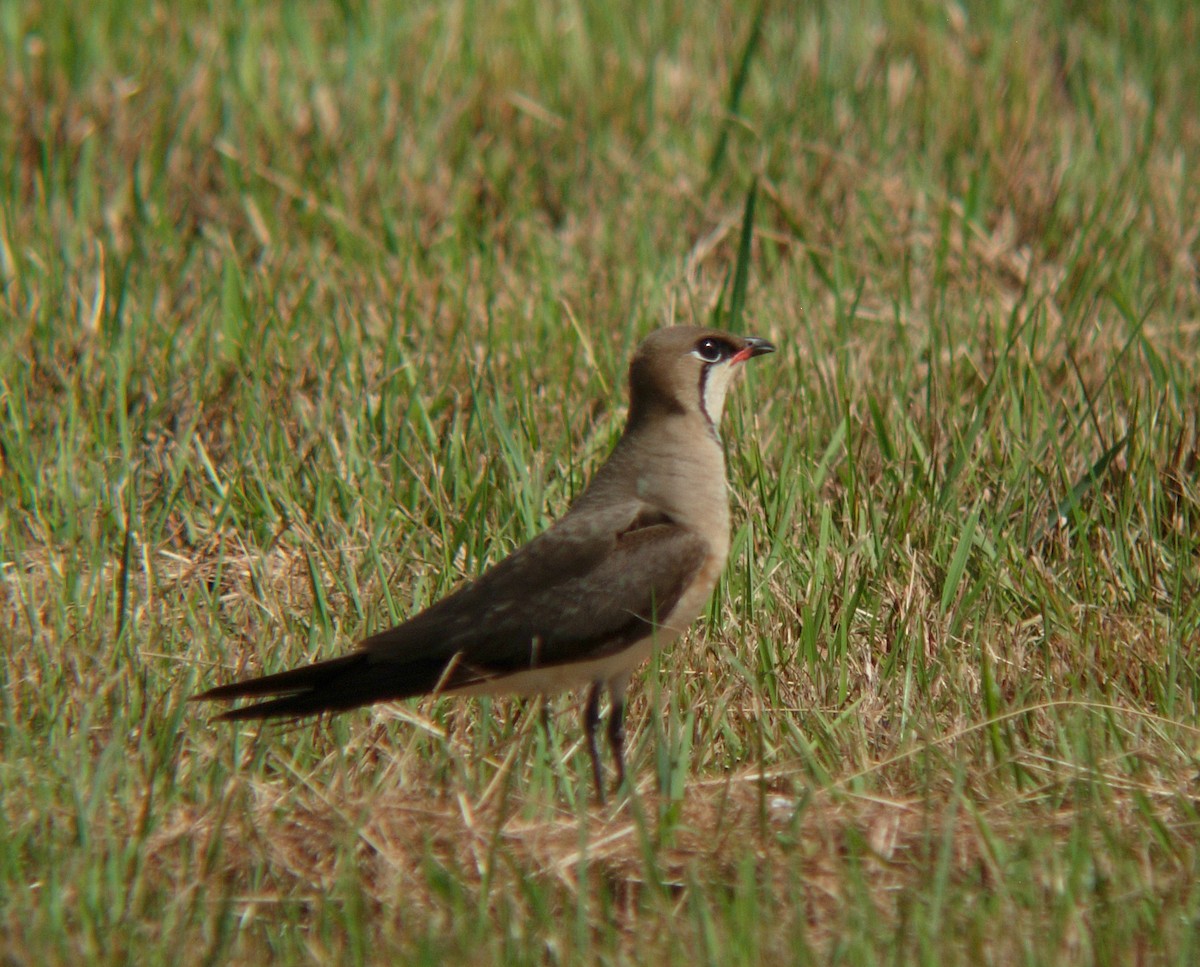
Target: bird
(627, 568)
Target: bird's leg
(591, 722)
(616, 732)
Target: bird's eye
(709, 350)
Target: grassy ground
(308, 311)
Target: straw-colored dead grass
(804, 847)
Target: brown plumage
(628, 567)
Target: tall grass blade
(741, 272)
(736, 87)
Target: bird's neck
(675, 465)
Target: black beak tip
(759, 347)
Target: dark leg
(616, 732)
(591, 722)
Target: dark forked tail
(321, 687)
(327, 686)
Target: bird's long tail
(326, 686)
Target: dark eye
(710, 350)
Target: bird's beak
(754, 347)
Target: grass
(308, 313)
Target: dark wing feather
(567, 599)
(586, 588)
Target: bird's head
(687, 370)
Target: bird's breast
(695, 597)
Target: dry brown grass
(305, 320)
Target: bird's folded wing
(585, 589)
(579, 592)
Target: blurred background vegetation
(309, 311)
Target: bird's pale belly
(571, 675)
